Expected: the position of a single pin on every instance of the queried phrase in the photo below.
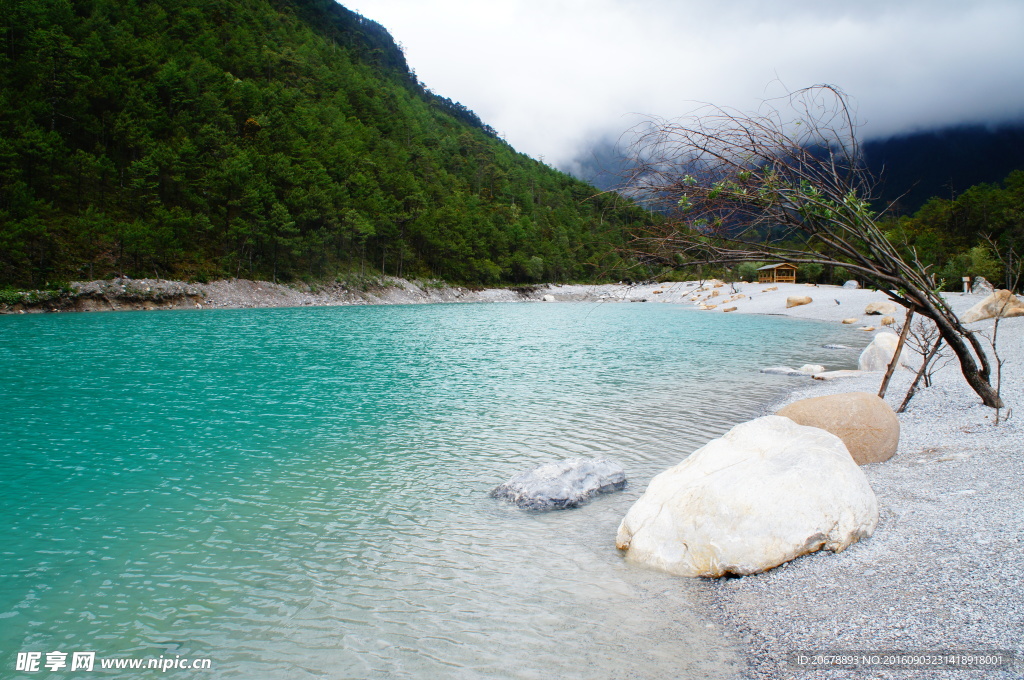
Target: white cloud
(551, 75)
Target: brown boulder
(1000, 303)
(797, 300)
(865, 423)
(880, 308)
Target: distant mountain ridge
(911, 168)
(914, 167)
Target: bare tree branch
(786, 182)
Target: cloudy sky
(554, 76)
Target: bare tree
(924, 339)
(1013, 264)
(786, 182)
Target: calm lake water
(302, 493)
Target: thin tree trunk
(896, 356)
(977, 379)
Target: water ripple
(303, 493)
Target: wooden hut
(777, 273)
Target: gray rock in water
(565, 484)
(834, 346)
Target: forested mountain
(914, 167)
(261, 138)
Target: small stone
(784, 370)
(851, 320)
(730, 309)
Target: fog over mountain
(910, 168)
(557, 77)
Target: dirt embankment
(113, 295)
(123, 294)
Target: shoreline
(944, 570)
(127, 294)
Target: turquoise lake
(303, 493)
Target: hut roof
(776, 266)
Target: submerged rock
(767, 491)
(785, 370)
(565, 484)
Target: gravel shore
(944, 571)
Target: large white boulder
(766, 492)
(563, 484)
(878, 355)
(1000, 303)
